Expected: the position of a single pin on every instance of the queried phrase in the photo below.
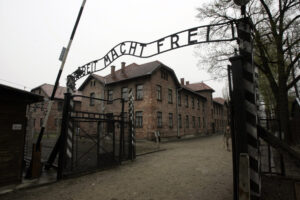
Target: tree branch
(291, 84)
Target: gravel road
(197, 168)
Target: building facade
(162, 103)
(37, 111)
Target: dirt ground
(198, 168)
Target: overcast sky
(34, 31)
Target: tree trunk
(283, 112)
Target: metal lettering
(132, 47)
(121, 49)
(159, 44)
(114, 54)
(192, 33)
(142, 45)
(174, 42)
(106, 59)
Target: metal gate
(92, 139)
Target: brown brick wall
(150, 105)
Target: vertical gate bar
(238, 116)
(64, 129)
(122, 128)
(78, 136)
(233, 137)
(114, 146)
(281, 157)
(98, 140)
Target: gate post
(131, 125)
(63, 136)
(245, 115)
(67, 130)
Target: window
(92, 101)
(193, 121)
(170, 100)
(125, 119)
(198, 104)
(124, 93)
(93, 83)
(138, 119)
(110, 96)
(158, 92)
(186, 100)
(187, 121)
(41, 122)
(199, 122)
(180, 121)
(179, 99)
(170, 120)
(139, 92)
(203, 104)
(203, 122)
(164, 74)
(159, 119)
(193, 102)
(59, 106)
(33, 122)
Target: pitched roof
(192, 91)
(219, 100)
(131, 71)
(10, 94)
(60, 91)
(134, 71)
(199, 87)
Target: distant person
(227, 137)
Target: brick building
(162, 103)
(220, 114)
(36, 112)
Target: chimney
(112, 71)
(182, 81)
(187, 83)
(123, 67)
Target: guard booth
(13, 104)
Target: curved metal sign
(192, 36)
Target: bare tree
(276, 38)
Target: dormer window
(164, 74)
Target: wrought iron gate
(93, 139)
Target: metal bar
(233, 139)
(58, 76)
(122, 128)
(98, 142)
(64, 128)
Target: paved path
(191, 169)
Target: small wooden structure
(13, 103)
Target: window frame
(124, 93)
(92, 101)
(159, 119)
(139, 92)
(110, 95)
(159, 92)
(139, 119)
(170, 96)
(187, 123)
(170, 120)
(180, 120)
